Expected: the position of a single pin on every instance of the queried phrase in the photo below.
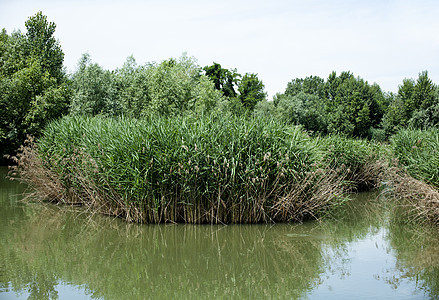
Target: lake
(364, 251)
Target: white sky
(381, 41)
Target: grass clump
(415, 174)
(359, 160)
(417, 152)
(207, 170)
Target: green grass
(417, 152)
(206, 170)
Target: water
(50, 252)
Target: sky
(383, 41)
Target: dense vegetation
(199, 170)
(166, 134)
(34, 88)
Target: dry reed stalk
(419, 197)
(316, 192)
(29, 169)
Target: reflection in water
(416, 248)
(43, 247)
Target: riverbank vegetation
(172, 141)
(197, 170)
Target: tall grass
(359, 160)
(206, 170)
(415, 178)
(418, 152)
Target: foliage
(302, 109)
(415, 105)
(250, 88)
(207, 169)
(251, 91)
(353, 106)
(264, 109)
(172, 87)
(225, 80)
(417, 152)
(33, 87)
(312, 85)
(343, 104)
(42, 44)
(132, 83)
(94, 90)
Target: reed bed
(415, 173)
(418, 153)
(360, 162)
(180, 169)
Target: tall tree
(94, 90)
(33, 86)
(416, 104)
(313, 85)
(251, 91)
(43, 45)
(225, 80)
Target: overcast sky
(381, 41)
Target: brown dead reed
(420, 198)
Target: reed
(414, 175)
(417, 152)
(358, 161)
(207, 170)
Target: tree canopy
(34, 88)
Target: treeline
(170, 88)
(35, 89)
(348, 105)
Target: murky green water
(48, 252)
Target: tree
(171, 85)
(302, 109)
(312, 85)
(416, 105)
(43, 45)
(225, 80)
(205, 98)
(132, 83)
(424, 93)
(251, 91)
(33, 87)
(94, 90)
(353, 106)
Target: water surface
(366, 252)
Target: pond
(364, 252)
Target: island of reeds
(176, 142)
(195, 170)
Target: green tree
(251, 91)
(206, 98)
(43, 45)
(424, 93)
(302, 109)
(33, 86)
(416, 104)
(132, 87)
(94, 90)
(171, 85)
(353, 106)
(312, 85)
(225, 80)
